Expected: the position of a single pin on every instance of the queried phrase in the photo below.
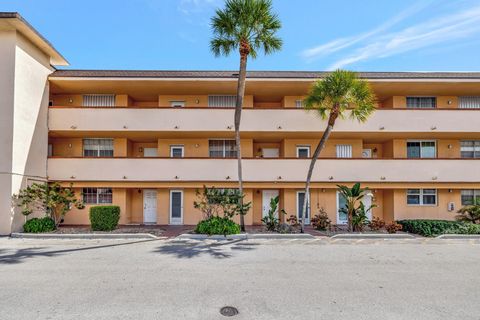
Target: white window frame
(97, 194)
(177, 146)
(421, 153)
(177, 103)
(476, 149)
(224, 149)
(98, 147)
(421, 194)
(299, 147)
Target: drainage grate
(229, 311)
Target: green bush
(433, 228)
(217, 225)
(37, 225)
(104, 218)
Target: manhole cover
(228, 311)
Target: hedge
(37, 225)
(433, 228)
(104, 218)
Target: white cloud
(439, 30)
(342, 43)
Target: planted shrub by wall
(433, 228)
(217, 225)
(104, 218)
(37, 225)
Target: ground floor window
(470, 197)
(422, 197)
(97, 195)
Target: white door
(270, 152)
(149, 206)
(342, 218)
(300, 199)
(176, 207)
(150, 152)
(267, 196)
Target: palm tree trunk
(321, 144)
(238, 114)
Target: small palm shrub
(217, 225)
(104, 218)
(376, 224)
(37, 225)
(321, 221)
(271, 220)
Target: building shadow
(21, 255)
(220, 250)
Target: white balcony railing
(255, 120)
(262, 170)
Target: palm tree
(332, 96)
(249, 26)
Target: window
(303, 152)
(470, 197)
(298, 103)
(176, 151)
(469, 102)
(422, 102)
(177, 104)
(421, 149)
(470, 149)
(222, 101)
(99, 100)
(97, 195)
(222, 149)
(344, 151)
(422, 197)
(98, 147)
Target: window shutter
(222, 101)
(344, 151)
(469, 103)
(99, 100)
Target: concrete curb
(84, 236)
(459, 236)
(385, 236)
(247, 236)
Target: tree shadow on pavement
(222, 250)
(20, 255)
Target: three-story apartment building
(147, 140)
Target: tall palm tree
(249, 26)
(331, 97)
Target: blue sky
(368, 35)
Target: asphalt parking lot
(263, 279)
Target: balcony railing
(255, 120)
(263, 170)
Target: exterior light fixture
(197, 145)
(449, 146)
(140, 149)
(197, 101)
(176, 177)
(124, 177)
(279, 177)
(229, 127)
(450, 190)
(125, 127)
(434, 178)
(381, 128)
(449, 102)
(228, 178)
(73, 127)
(382, 178)
(433, 128)
(72, 177)
(70, 145)
(279, 127)
(70, 100)
(176, 127)
(330, 178)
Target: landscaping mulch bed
(154, 230)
